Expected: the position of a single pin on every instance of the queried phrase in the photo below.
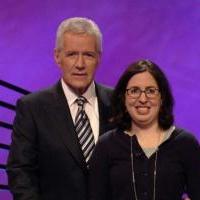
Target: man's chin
(79, 89)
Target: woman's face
(143, 100)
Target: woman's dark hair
(120, 115)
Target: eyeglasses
(136, 92)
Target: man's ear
(57, 56)
(99, 58)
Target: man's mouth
(79, 74)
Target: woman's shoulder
(185, 137)
(110, 137)
(107, 136)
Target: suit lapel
(65, 126)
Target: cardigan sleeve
(192, 166)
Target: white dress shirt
(91, 106)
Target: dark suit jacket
(45, 160)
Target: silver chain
(133, 173)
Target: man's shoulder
(41, 95)
(104, 87)
(103, 91)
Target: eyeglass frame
(145, 91)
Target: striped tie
(84, 130)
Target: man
(47, 160)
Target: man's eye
(69, 54)
(90, 54)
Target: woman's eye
(151, 90)
(135, 90)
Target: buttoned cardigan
(177, 170)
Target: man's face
(78, 60)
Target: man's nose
(80, 62)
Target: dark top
(178, 168)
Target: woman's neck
(148, 137)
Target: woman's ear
(161, 102)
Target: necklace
(133, 172)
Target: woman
(146, 157)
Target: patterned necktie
(84, 130)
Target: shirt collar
(90, 93)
